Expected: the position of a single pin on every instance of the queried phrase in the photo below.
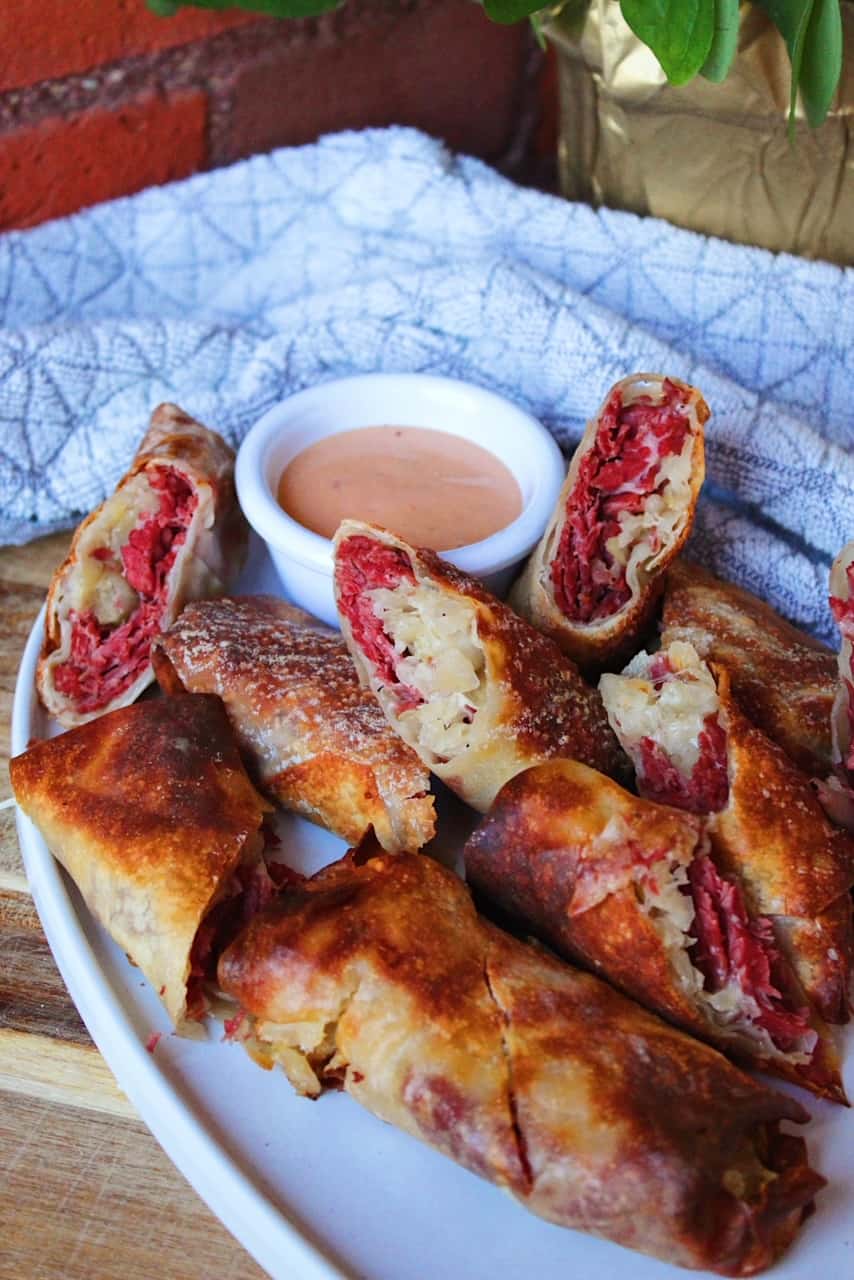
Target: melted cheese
(440, 656)
(673, 715)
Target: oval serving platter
(317, 1190)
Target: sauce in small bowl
(432, 488)
(346, 414)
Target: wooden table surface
(85, 1191)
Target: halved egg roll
(783, 679)
(475, 690)
(151, 813)
(631, 889)
(624, 512)
(837, 791)
(171, 532)
(694, 748)
(314, 739)
(381, 979)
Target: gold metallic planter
(712, 157)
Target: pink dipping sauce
(431, 488)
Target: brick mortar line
(206, 64)
(211, 65)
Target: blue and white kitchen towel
(380, 251)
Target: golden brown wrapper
(605, 640)
(381, 979)
(783, 679)
(536, 705)
(315, 740)
(212, 553)
(151, 812)
(631, 140)
(794, 865)
(579, 860)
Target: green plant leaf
(812, 30)
(679, 32)
(791, 18)
(821, 64)
(511, 10)
(272, 8)
(571, 14)
(724, 41)
(537, 28)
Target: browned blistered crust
(316, 741)
(792, 862)
(609, 641)
(548, 708)
(150, 811)
(783, 679)
(538, 705)
(527, 854)
(549, 824)
(591, 1112)
(218, 544)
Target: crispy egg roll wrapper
(171, 532)
(615, 558)
(604, 877)
(152, 814)
(764, 819)
(315, 740)
(782, 678)
(837, 791)
(380, 978)
(475, 690)
(795, 866)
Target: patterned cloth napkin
(380, 251)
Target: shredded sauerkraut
(642, 535)
(672, 713)
(439, 656)
(666, 713)
(665, 895)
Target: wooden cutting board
(85, 1191)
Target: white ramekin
(303, 559)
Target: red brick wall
(99, 98)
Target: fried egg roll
(693, 747)
(381, 979)
(475, 690)
(782, 679)
(837, 791)
(631, 889)
(314, 739)
(171, 532)
(623, 514)
(153, 816)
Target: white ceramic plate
(322, 1189)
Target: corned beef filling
(706, 789)
(106, 660)
(732, 948)
(843, 612)
(364, 566)
(250, 890)
(615, 479)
